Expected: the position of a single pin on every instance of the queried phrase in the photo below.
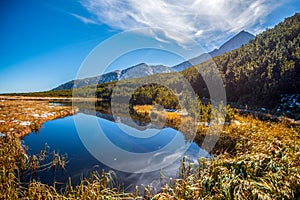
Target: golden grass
(21, 117)
(253, 159)
(265, 165)
(14, 162)
(143, 108)
(171, 119)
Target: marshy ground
(253, 159)
(20, 116)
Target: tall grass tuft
(259, 160)
(13, 160)
(265, 165)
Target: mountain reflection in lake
(61, 136)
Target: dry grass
(14, 162)
(171, 119)
(143, 109)
(254, 159)
(265, 165)
(21, 117)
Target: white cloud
(198, 33)
(84, 19)
(206, 21)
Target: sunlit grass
(14, 162)
(265, 165)
(253, 159)
(21, 117)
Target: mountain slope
(237, 41)
(260, 72)
(143, 69)
(108, 77)
(136, 71)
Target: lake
(132, 167)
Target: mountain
(108, 77)
(237, 41)
(143, 69)
(136, 71)
(260, 72)
(265, 72)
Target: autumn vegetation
(254, 158)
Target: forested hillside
(261, 71)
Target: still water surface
(61, 136)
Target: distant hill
(143, 69)
(108, 77)
(235, 42)
(136, 71)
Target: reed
(265, 165)
(254, 159)
(13, 156)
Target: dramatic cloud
(206, 21)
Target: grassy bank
(20, 117)
(260, 161)
(253, 159)
(14, 162)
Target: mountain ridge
(136, 71)
(243, 37)
(143, 69)
(262, 71)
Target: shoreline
(21, 116)
(65, 99)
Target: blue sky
(44, 42)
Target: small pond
(61, 136)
